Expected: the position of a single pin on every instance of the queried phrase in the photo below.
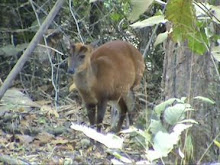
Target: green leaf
(161, 107)
(179, 128)
(149, 22)
(156, 126)
(160, 38)
(115, 17)
(139, 7)
(205, 99)
(174, 114)
(197, 42)
(163, 142)
(181, 14)
(183, 99)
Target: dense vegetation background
(182, 62)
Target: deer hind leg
(130, 103)
(122, 113)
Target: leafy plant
(164, 140)
(190, 21)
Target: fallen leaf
(72, 87)
(44, 137)
(24, 139)
(60, 141)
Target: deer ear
(86, 48)
(83, 49)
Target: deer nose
(71, 70)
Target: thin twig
(48, 47)
(54, 22)
(77, 26)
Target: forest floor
(41, 134)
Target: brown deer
(108, 73)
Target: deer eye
(81, 57)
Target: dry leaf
(24, 139)
(44, 137)
(72, 87)
(60, 140)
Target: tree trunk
(188, 75)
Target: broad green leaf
(138, 8)
(163, 142)
(198, 42)
(156, 126)
(161, 107)
(185, 25)
(182, 16)
(205, 99)
(149, 22)
(216, 53)
(153, 155)
(179, 128)
(160, 38)
(183, 99)
(174, 114)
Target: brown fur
(108, 73)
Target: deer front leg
(101, 108)
(91, 112)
